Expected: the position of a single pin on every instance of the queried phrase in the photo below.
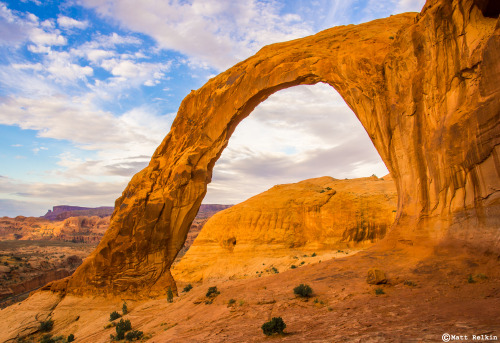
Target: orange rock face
(428, 99)
(319, 216)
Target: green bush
(46, 326)
(274, 270)
(379, 291)
(276, 325)
(47, 339)
(303, 290)
(71, 338)
(212, 291)
(188, 288)
(471, 279)
(124, 308)
(122, 327)
(293, 266)
(170, 295)
(230, 302)
(114, 315)
(133, 335)
(313, 254)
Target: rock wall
(424, 86)
(315, 216)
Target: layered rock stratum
(424, 86)
(83, 229)
(316, 219)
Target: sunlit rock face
(315, 217)
(424, 86)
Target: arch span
(427, 98)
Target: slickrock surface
(274, 230)
(438, 300)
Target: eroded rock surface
(282, 225)
(424, 86)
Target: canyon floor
(429, 292)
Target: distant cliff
(62, 212)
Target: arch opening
(300, 171)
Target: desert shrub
(188, 288)
(274, 270)
(124, 308)
(301, 263)
(114, 315)
(122, 327)
(170, 295)
(471, 279)
(303, 290)
(313, 254)
(133, 335)
(47, 339)
(212, 291)
(410, 283)
(379, 291)
(46, 326)
(71, 338)
(481, 276)
(230, 302)
(276, 325)
(293, 266)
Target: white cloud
(74, 119)
(410, 5)
(43, 38)
(297, 133)
(216, 32)
(97, 55)
(27, 66)
(70, 23)
(13, 30)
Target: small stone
(376, 277)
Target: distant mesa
(62, 212)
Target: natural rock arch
(426, 89)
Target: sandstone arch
(426, 89)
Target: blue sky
(89, 88)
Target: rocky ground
(28, 265)
(429, 292)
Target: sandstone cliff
(279, 227)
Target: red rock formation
(319, 216)
(428, 99)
